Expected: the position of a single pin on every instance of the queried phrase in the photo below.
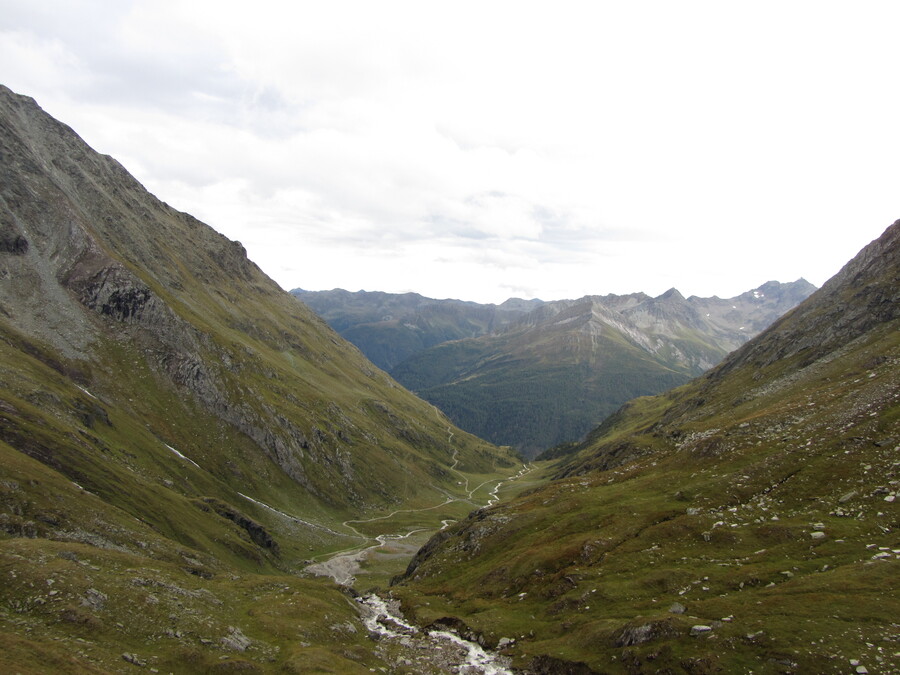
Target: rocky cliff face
(742, 522)
(165, 322)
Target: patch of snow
(187, 459)
(87, 392)
(285, 515)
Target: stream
(427, 649)
(399, 642)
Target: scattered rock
(817, 535)
(635, 635)
(236, 640)
(392, 625)
(700, 629)
(133, 660)
(94, 599)
(549, 665)
(677, 608)
(505, 642)
(848, 496)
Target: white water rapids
(456, 653)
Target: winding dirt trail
(342, 566)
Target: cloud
(474, 149)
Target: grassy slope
(607, 550)
(710, 496)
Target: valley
(372, 565)
(199, 475)
(389, 544)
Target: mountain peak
(671, 294)
(864, 293)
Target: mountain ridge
(113, 256)
(179, 436)
(745, 521)
(550, 375)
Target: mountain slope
(555, 373)
(746, 521)
(389, 328)
(166, 407)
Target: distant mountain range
(533, 374)
(391, 327)
(745, 522)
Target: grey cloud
(197, 82)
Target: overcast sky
(483, 150)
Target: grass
(78, 605)
(715, 509)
